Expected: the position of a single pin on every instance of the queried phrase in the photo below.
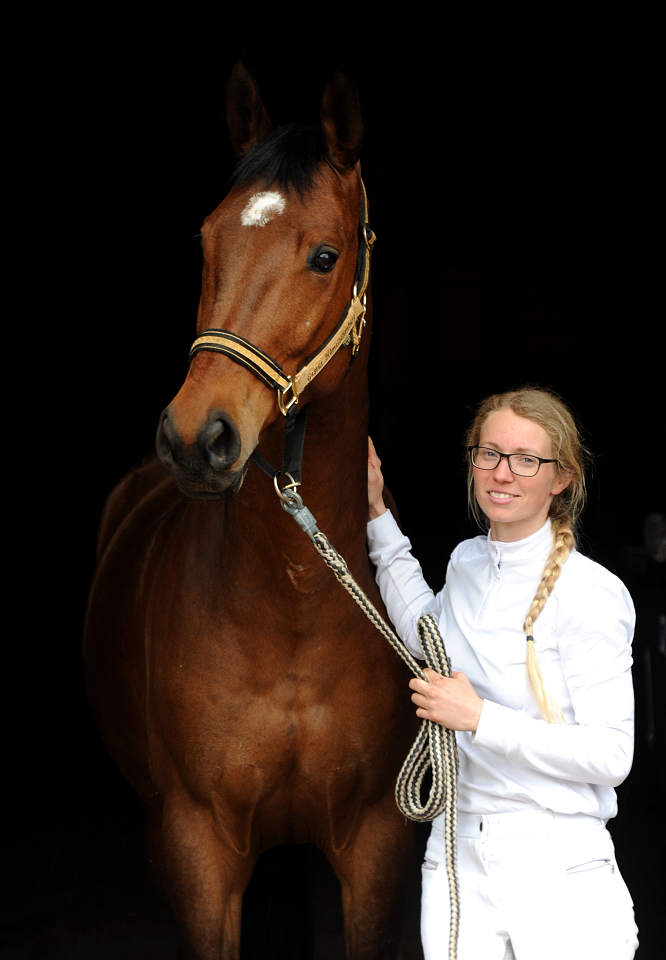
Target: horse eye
(324, 261)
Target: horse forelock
(288, 157)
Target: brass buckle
(285, 408)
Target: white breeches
(545, 883)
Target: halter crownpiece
(348, 331)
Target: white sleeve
(404, 591)
(596, 745)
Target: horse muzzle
(204, 468)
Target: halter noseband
(348, 330)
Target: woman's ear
(562, 482)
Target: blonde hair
(551, 413)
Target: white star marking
(261, 208)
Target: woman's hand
(449, 702)
(376, 505)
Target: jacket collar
(534, 547)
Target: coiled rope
(434, 747)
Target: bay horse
(236, 684)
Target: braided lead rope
(434, 747)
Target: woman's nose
(502, 470)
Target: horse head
(280, 268)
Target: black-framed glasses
(522, 464)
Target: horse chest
(262, 741)
(231, 701)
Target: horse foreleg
(374, 872)
(204, 879)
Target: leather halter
(348, 331)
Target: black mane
(288, 156)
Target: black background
(509, 169)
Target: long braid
(563, 544)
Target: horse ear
(341, 122)
(246, 114)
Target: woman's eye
(324, 261)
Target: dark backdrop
(509, 174)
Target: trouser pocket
(599, 864)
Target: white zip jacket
(516, 761)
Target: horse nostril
(166, 441)
(220, 440)
(218, 443)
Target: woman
(541, 746)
